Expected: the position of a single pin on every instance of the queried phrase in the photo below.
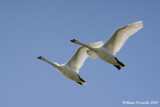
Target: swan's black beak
(39, 57)
(73, 40)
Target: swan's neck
(53, 64)
(84, 45)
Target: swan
(71, 68)
(109, 49)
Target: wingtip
(138, 24)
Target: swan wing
(92, 54)
(78, 59)
(115, 43)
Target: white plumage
(80, 56)
(71, 68)
(120, 36)
(108, 51)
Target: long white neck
(84, 45)
(53, 64)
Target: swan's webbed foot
(79, 83)
(118, 67)
(81, 79)
(120, 62)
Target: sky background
(30, 28)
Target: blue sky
(29, 28)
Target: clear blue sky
(29, 28)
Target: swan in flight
(109, 49)
(71, 68)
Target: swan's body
(108, 51)
(71, 68)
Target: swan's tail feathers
(91, 54)
(118, 67)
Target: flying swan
(108, 51)
(71, 68)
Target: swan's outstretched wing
(80, 56)
(120, 36)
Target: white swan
(108, 51)
(71, 68)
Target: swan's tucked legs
(120, 62)
(118, 67)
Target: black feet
(79, 83)
(81, 79)
(118, 67)
(120, 62)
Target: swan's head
(40, 57)
(75, 41)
